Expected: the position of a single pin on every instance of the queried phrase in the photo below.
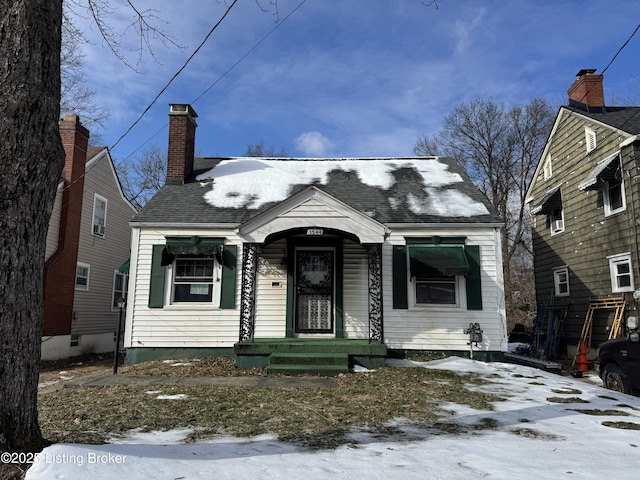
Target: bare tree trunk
(31, 160)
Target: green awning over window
(191, 246)
(124, 268)
(438, 261)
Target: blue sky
(352, 78)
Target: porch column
(374, 253)
(248, 290)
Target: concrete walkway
(248, 381)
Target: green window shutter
(228, 287)
(474, 287)
(156, 285)
(400, 296)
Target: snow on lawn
(535, 438)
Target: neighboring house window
(99, 215)
(614, 200)
(193, 279)
(82, 276)
(590, 139)
(561, 281)
(621, 273)
(556, 220)
(548, 168)
(120, 287)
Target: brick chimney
(60, 268)
(182, 136)
(587, 89)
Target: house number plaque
(315, 231)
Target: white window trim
(88, 267)
(590, 139)
(461, 296)
(548, 168)
(556, 281)
(615, 260)
(215, 296)
(552, 224)
(125, 288)
(96, 227)
(607, 200)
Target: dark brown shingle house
(585, 201)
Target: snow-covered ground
(554, 441)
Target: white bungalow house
(281, 260)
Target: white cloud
(314, 144)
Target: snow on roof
(253, 182)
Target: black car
(619, 361)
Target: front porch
(307, 356)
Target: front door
(314, 291)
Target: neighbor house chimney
(182, 136)
(588, 88)
(60, 268)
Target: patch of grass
(607, 397)
(567, 391)
(566, 400)
(624, 405)
(193, 367)
(603, 413)
(622, 425)
(536, 383)
(313, 417)
(519, 375)
(531, 433)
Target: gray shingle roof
(626, 119)
(187, 204)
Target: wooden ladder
(612, 303)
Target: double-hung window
(193, 279)
(561, 281)
(613, 197)
(436, 271)
(120, 283)
(99, 220)
(436, 291)
(82, 276)
(556, 220)
(621, 273)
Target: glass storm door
(314, 291)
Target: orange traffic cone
(582, 363)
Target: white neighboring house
(244, 255)
(88, 241)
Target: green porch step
(326, 364)
(270, 352)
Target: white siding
(441, 328)
(420, 328)
(356, 291)
(93, 312)
(177, 325)
(271, 292)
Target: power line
(176, 74)
(249, 52)
(223, 75)
(573, 108)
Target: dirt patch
(54, 374)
